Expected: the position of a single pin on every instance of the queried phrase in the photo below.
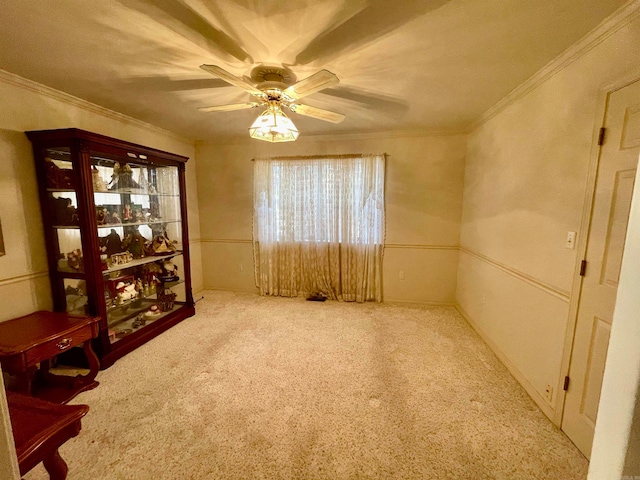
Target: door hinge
(565, 387)
(583, 268)
(601, 135)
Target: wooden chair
(40, 428)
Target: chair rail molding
(531, 280)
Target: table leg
(25, 380)
(94, 363)
(55, 466)
(62, 388)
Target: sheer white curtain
(319, 226)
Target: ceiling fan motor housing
(273, 73)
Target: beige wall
(525, 183)
(29, 106)
(424, 176)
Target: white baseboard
(547, 409)
(417, 301)
(226, 289)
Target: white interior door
(612, 200)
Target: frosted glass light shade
(273, 126)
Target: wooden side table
(39, 429)
(34, 339)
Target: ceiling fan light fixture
(274, 126)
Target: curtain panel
(319, 226)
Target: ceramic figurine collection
(125, 291)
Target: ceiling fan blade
(229, 108)
(318, 113)
(312, 84)
(232, 79)
(373, 100)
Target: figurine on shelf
(121, 258)
(127, 215)
(114, 177)
(126, 291)
(169, 272)
(76, 297)
(166, 300)
(64, 212)
(123, 333)
(140, 321)
(135, 243)
(123, 180)
(98, 182)
(58, 177)
(108, 220)
(138, 215)
(111, 243)
(101, 216)
(161, 245)
(74, 260)
(115, 217)
(78, 290)
(151, 272)
(104, 261)
(154, 311)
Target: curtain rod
(318, 157)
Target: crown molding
(26, 84)
(415, 133)
(610, 25)
(333, 137)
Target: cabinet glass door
(62, 209)
(139, 229)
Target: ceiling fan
(275, 88)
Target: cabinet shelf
(132, 308)
(112, 225)
(126, 326)
(66, 227)
(134, 224)
(147, 183)
(140, 261)
(134, 191)
(61, 190)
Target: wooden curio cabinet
(115, 223)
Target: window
(316, 218)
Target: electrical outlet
(401, 274)
(571, 240)
(548, 393)
(484, 300)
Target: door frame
(583, 234)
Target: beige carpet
(275, 388)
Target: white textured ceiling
(403, 65)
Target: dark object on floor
(40, 428)
(316, 297)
